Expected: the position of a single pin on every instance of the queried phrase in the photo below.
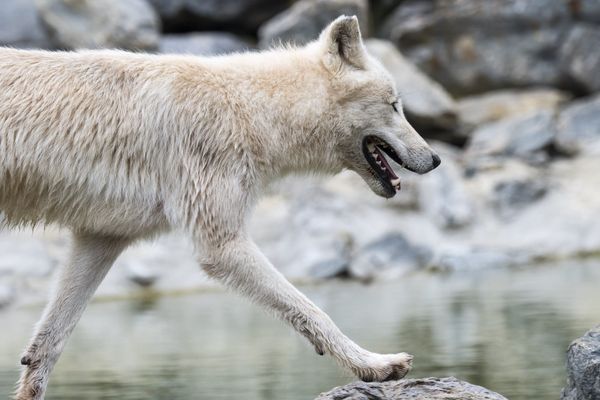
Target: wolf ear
(342, 43)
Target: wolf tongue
(389, 170)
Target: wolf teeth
(395, 182)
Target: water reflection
(506, 330)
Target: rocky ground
(504, 90)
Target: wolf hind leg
(91, 259)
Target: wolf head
(370, 126)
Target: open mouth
(375, 150)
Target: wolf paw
(386, 367)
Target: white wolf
(120, 147)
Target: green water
(504, 329)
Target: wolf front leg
(91, 258)
(242, 266)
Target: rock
(523, 136)
(472, 46)
(422, 389)
(512, 196)
(312, 228)
(443, 196)
(305, 20)
(332, 268)
(201, 15)
(426, 103)
(285, 227)
(583, 368)
(142, 274)
(472, 258)
(389, 256)
(20, 25)
(380, 9)
(579, 127)
(203, 44)
(580, 56)
(130, 25)
(502, 104)
(556, 225)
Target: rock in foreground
(422, 389)
(583, 365)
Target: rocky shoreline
(516, 122)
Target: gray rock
(131, 25)
(426, 103)
(305, 20)
(512, 196)
(20, 25)
(469, 258)
(204, 43)
(331, 268)
(232, 15)
(142, 274)
(502, 104)
(521, 136)
(580, 56)
(422, 389)
(583, 368)
(443, 196)
(471, 46)
(579, 127)
(389, 256)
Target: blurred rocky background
(507, 91)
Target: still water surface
(503, 329)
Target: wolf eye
(395, 106)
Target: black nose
(436, 160)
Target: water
(506, 329)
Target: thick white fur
(120, 146)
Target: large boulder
(20, 25)
(426, 103)
(523, 136)
(501, 104)
(580, 56)
(233, 15)
(305, 20)
(203, 43)
(579, 127)
(583, 368)
(471, 46)
(130, 25)
(422, 389)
